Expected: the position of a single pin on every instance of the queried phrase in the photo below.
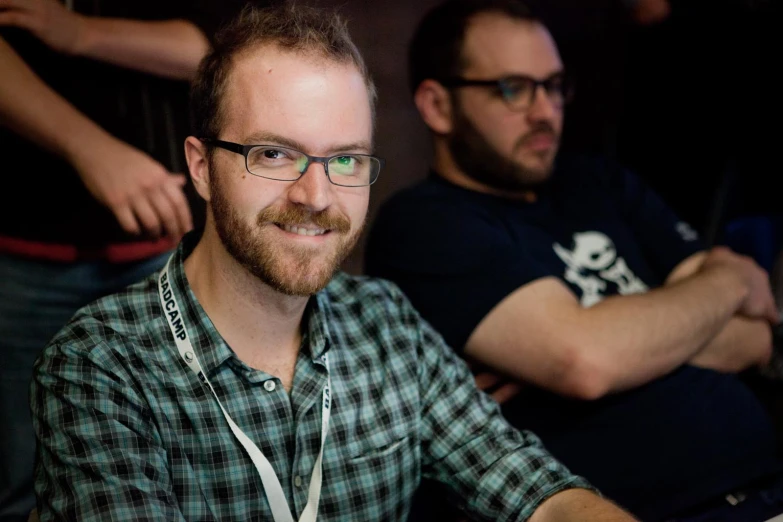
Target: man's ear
(435, 106)
(196, 156)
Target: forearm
(576, 505)
(742, 344)
(33, 110)
(633, 339)
(171, 49)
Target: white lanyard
(272, 487)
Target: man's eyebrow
(557, 72)
(359, 146)
(270, 138)
(264, 138)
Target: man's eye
(344, 165)
(263, 157)
(515, 89)
(273, 154)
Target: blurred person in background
(93, 111)
(569, 275)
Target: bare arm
(138, 189)
(621, 342)
(171, 48)
(575, 505)
(741, 344)
(30, 108)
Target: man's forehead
(496, 44)
(268, 69)
(286, 92)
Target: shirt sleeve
(454, 261)
(494, 471)
(665, 239)
(98, 457)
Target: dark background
(691, 103)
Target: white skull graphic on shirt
(592, 263)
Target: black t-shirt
(43, 199)
(669, 444)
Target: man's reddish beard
(288, 268)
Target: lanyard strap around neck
(274, 491)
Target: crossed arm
(714, 311)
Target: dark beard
(478, 160)
(266, 261)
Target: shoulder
(434, 199)
(365, 296)
(584, 172)
(115, 328)
(436, 226)
(370, 310)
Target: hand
(648, 12)
(759, 303)
(742, 344)
(141, 193)
(48, 20)
(498, 387)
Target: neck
(447, 168)
(262, 326)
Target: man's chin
(537, 170)
(302, 283)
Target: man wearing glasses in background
(247, 381)
(570, 276)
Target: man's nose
(541, 107)
(313, 189)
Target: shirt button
(298, 481)
(269, 385)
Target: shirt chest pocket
(379, 444)
(381, 469)
(380, 427)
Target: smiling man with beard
(249, 380)
(570, 276)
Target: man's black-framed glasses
(518, 92)
(286, 164)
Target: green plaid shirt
(127, 432)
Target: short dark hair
(436, 48)
(294, 28)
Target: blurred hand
(760, 303)
(141, 193)
(499, 388)
(48, 20)
(647, 12)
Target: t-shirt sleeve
(665, 239)
(454, 261)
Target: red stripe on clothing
(115, 253)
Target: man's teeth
(303, 231)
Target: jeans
(37, 298)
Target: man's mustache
(540, 129)
(294, 215)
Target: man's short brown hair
(298, 29)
